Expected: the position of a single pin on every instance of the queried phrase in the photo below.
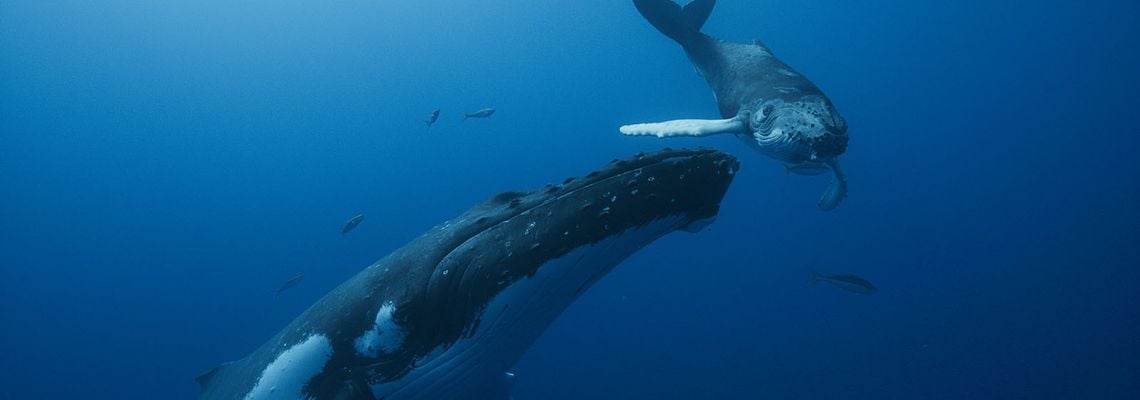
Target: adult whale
(764, 101)
(447, 315)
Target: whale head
(531, 254)
(801, 133)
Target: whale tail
(678, 23)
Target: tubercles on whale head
(799, 131)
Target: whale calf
(772, 107)
(447, 315)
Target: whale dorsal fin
(206, 378)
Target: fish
(848, 282)
(432, 118)
(484, 113)
(290, 283)
(351, 224)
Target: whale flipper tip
(834, 194)
(836, 191)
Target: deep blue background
(165, 165)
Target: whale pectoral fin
(837, 190)
(686, 127)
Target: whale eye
(767, 111)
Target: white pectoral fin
(837, 190)
(686, 127)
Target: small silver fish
(351, 224)
(289, 283)
(484, 113)
(432, 118)
(850, 283)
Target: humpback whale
(763, 101)
(447, 315)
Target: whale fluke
(676, 22)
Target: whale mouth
(643, 178)
(662, 162)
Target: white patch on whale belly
(516, 317)
(287, 375)
(385, 336)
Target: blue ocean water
(164, 166)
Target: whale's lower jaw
(781, 146)
(473, 367)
